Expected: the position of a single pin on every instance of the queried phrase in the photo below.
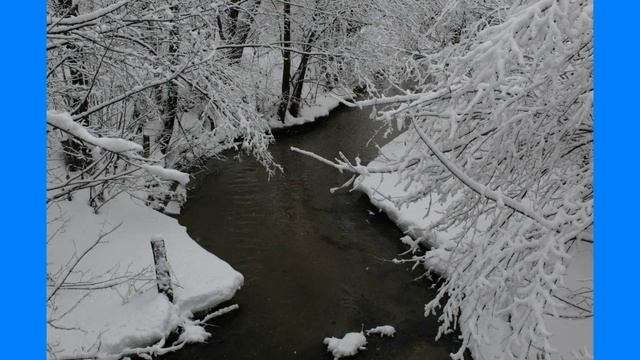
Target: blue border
(617, 185)
(23, 180)
(22, 159)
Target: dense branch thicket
(133, 70)
(500, 126)
(137, 90)
(495, 104)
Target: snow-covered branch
(344, 164)
(481, 189)
(75, 20)
(64, 122)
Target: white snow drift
(109, 303)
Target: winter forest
(319, 179)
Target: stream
(315, 264)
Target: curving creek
(315, 264)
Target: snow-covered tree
(149, 72)
(498, 129)
(138, 94)
(306, 44)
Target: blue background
(22, 160)
(617, 130)
(23, 263)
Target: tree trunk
(169, 104)
(240, 19)
(76, 152)
(286, 63)
(300, 75)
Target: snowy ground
(322, 106)
(129, 312)
(571, 337)
(318, 102)
(123, 310)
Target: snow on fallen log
(348, 345)
(63, 121)
(384, 330)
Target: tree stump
(163, 275)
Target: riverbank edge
(322, 107)
(118, 324)
(130, 314)
(571, 338)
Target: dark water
(315, 264)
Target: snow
(348, 345)
(130, 313)
(322, 106)
(193, 334)
(63, 121)
(74, 20)
(569, 335)
(384, 189)
(384, 330)
(575, 335)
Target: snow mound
(384, 330)
(348, 345)
(120, 315)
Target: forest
(466, 127)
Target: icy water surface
(315, 264)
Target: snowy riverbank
(572, 338)
(323, 104)
(108, 304)
(123, 309)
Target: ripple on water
(314, 263)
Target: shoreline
(121, 322)
(569, 337)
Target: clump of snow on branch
(193, 334)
